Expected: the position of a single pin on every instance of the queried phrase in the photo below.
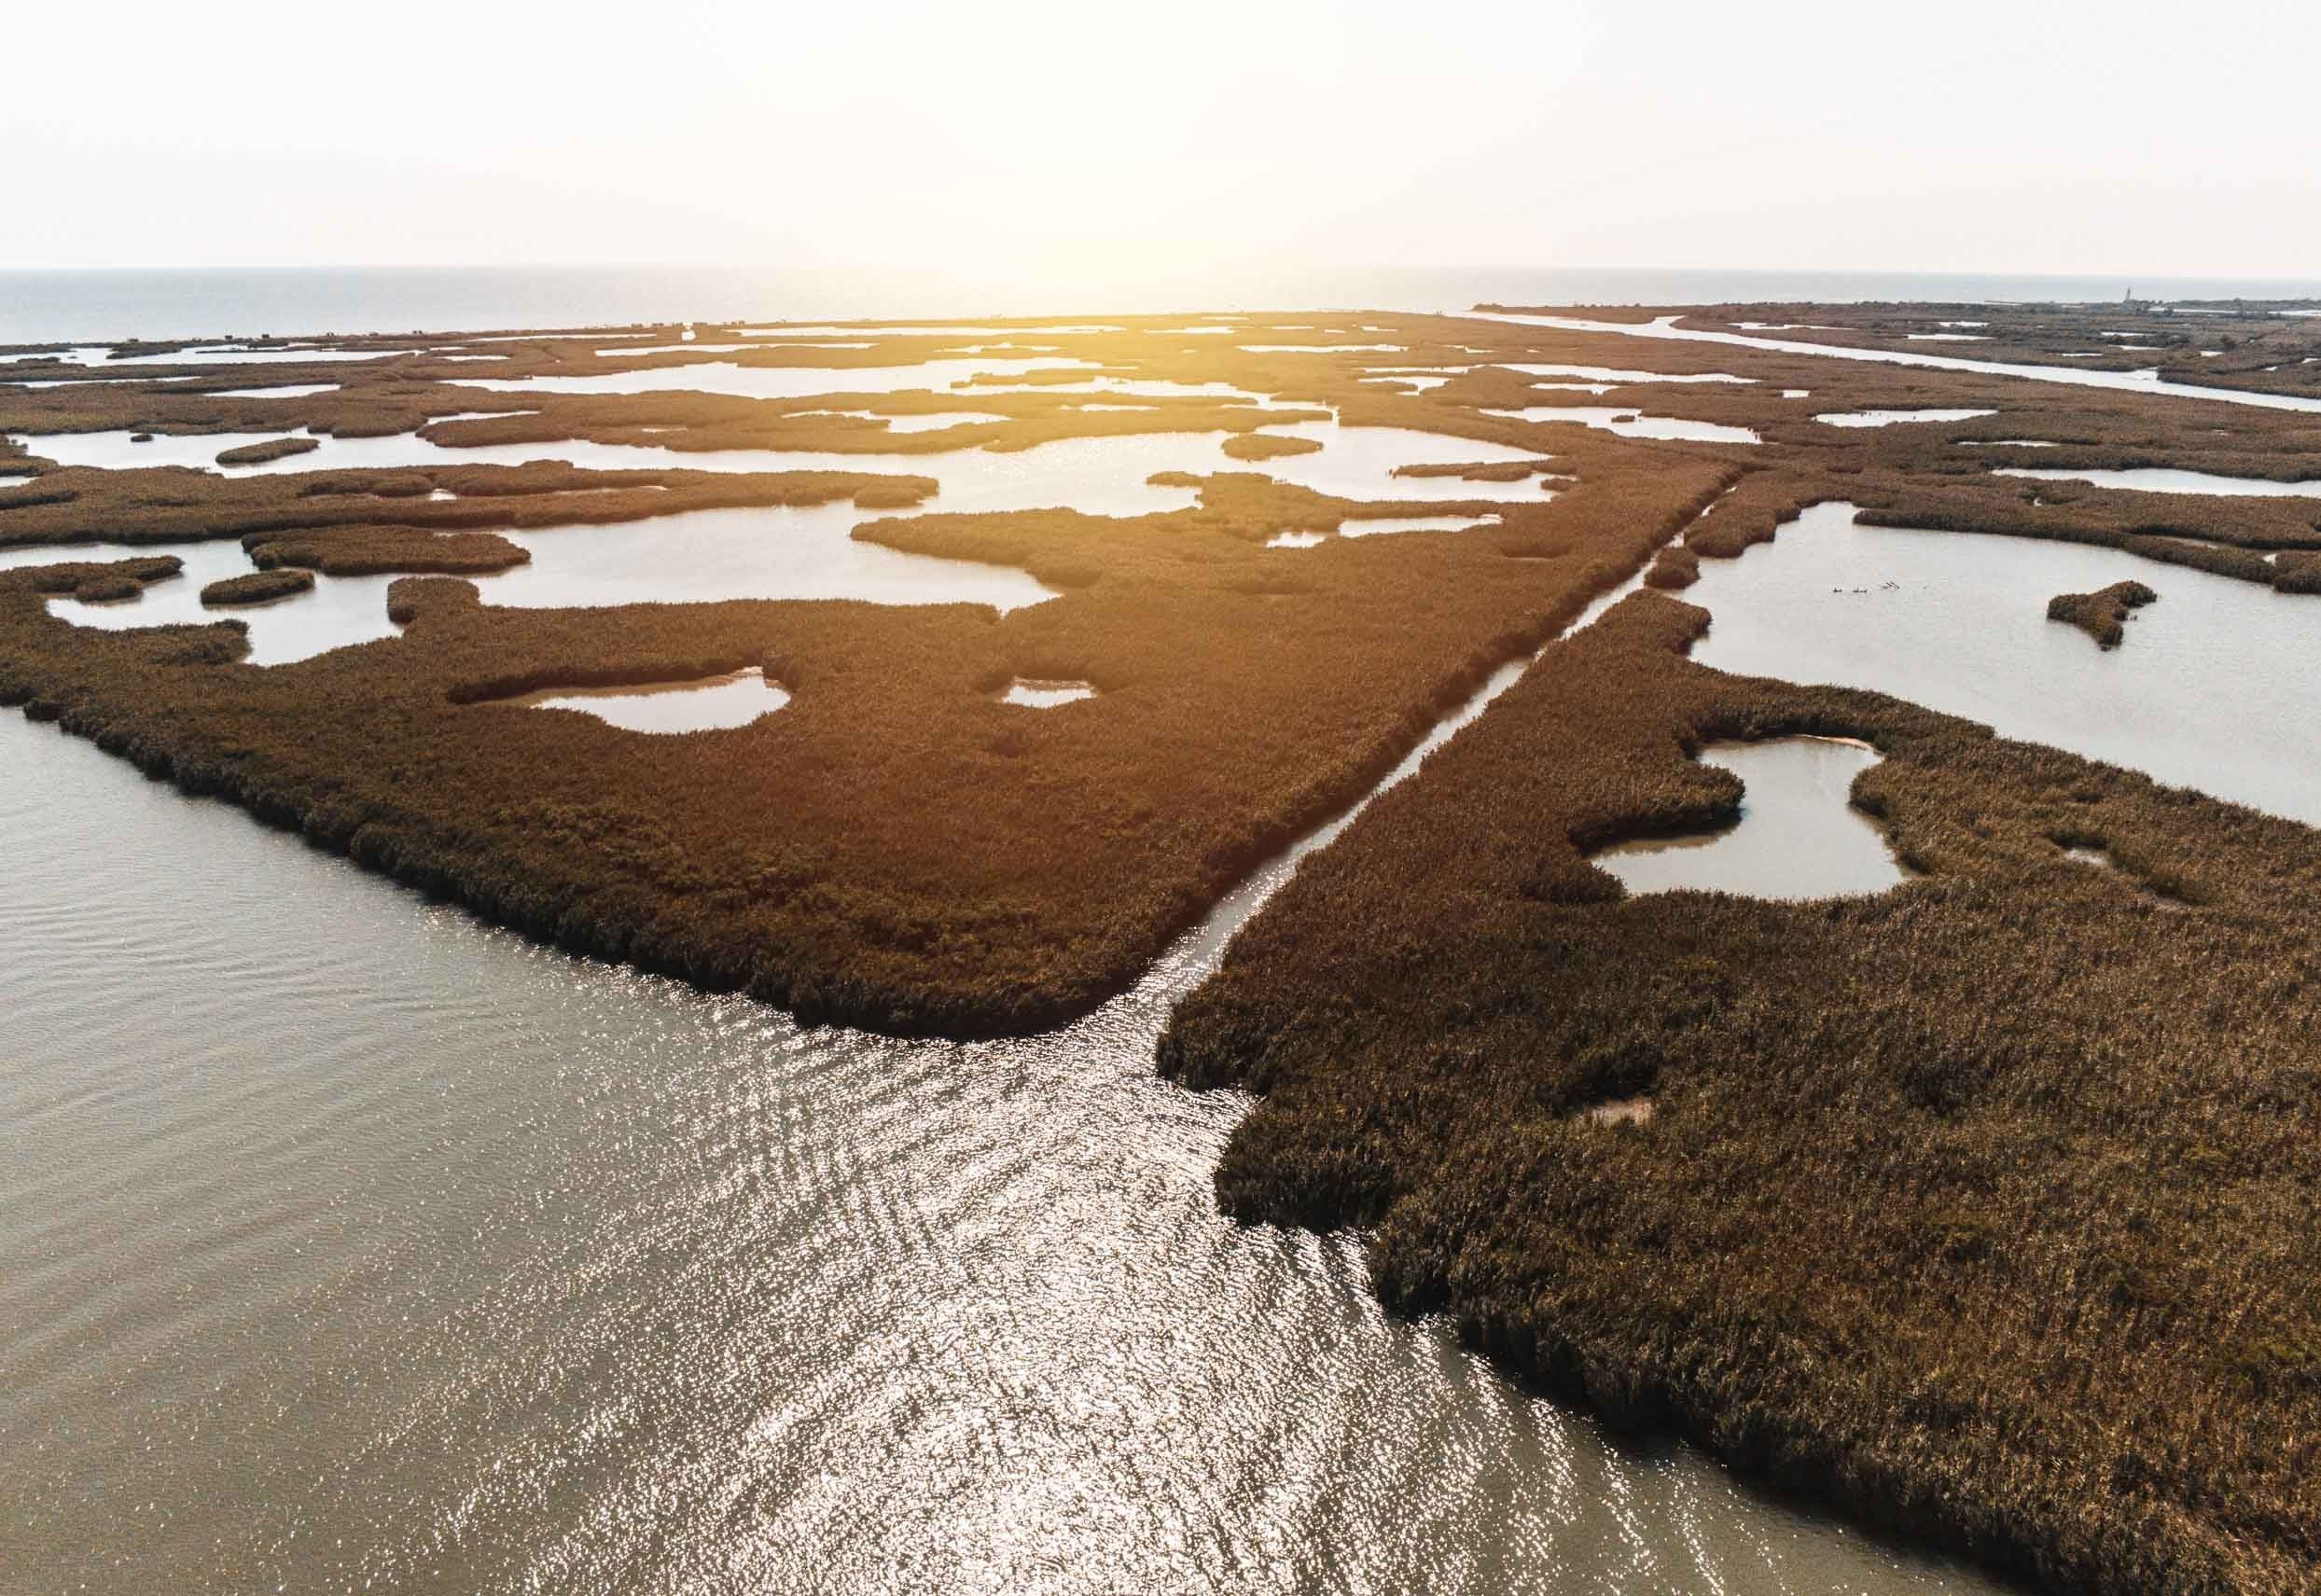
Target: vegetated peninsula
(1981, 1206)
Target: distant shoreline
(46, 304)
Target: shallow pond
(705, 556)
(2215, 687)
(282, 391)
(2166, 479)
(347, 1243)
(930, 330)
(1896, 418)
(1101, 474)
(777, 382)
(336, 611)
(694, 557)
(1620, 376)
(118, 451)
(1627, 422)
(670, 708)
(1027, 692)
(227, 355)
(772, 553)
(1359, 463)
(1798, 836)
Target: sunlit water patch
(232, 355)
(336, 611)
(778, 381)
(121, 451)
(85, 354)
(1379, 526)
(425, 1259)
(1037, 692)
(2166, 479)
(2215, 688)
(1799, 835)
(706, 556)
(931, 330)
(1359, 463)
(931, 421)
(633, 351)
(1619, 375)
(670, 708)
(1896, 418)
(1627, 422)
(695, 557)
(281, 390)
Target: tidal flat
(1074, 628)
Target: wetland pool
(2215, 687)
(1798, 836)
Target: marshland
(1006, 945)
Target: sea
(61, 306)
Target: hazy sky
(2069, 137)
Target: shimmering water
(348, 1244)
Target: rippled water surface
(347, 1244)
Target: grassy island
(2103, 615)
(258, 588)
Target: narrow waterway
(346, 1245)
(2071, 376)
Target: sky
(2120, 137)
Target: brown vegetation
(1268, 446)
(2047, 1295)
(1982, 1206)
(257, 588)
(895, 848)
(270, 449)
(2103, 615)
